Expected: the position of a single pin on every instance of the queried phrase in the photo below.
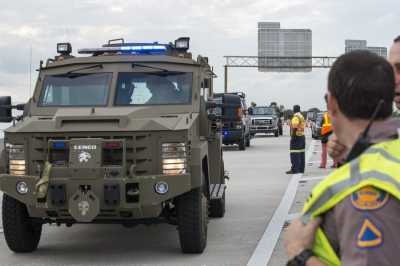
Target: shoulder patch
(369, 235)
(369, 198)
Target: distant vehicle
(121, 136)
(265, 119)
(316, 125)
(311, 115)
(235, 119)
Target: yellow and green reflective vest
(378, 166)
(299, 123)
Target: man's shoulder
(366, 226)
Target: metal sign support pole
(225, 78)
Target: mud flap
(217, 191)
(84, 206)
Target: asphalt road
(255, 189)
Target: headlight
(16, 159)
(174, 158)
(22, 188)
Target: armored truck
(121, 135)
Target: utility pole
(226, 78)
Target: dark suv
(235, 119)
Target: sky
(30, 30)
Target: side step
(217, 191)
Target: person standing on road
(326, 131)
(354, 213)
(297, 142)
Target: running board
(217, 191)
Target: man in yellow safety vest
(297, 142)
(352, 216)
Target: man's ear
(333, 107)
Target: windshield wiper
(84, 68)
(72, 74)
(147, 66)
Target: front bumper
(116, 198)
(232, 136)
(263, 129)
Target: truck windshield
(263, 111)
(156, 88)
(76, 90)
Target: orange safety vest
(326, 125)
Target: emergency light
(182, 43)
(130, 49)
(64, 48)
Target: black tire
(21, 233)
(276, 133)
(248, 141)
(192, 211)
(242, 144)
(217, 207)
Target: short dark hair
(397, 39)
(296, 108)
(359, 80)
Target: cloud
(216, 28)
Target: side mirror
(5, 109)
(207, 83)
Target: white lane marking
(292, 216)
(312, 178)
(318, 162)
(266, 245)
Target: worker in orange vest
(326, 130)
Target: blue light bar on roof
(131, 49)
(150, 48)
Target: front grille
(263, 122)
(138, 151)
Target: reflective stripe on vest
(376, 167)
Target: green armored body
(120, 136)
